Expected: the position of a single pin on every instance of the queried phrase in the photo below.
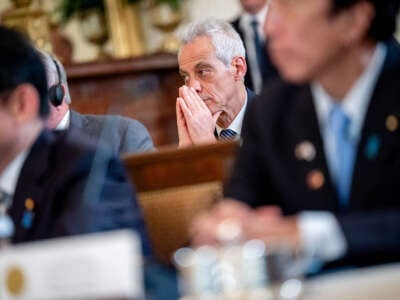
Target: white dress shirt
(64, 123)
(10, 175)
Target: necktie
(227, 134)
(258, 46)
(344, 154)
(6, 223)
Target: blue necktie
(259, 47)
(227, 134)
(344, 154)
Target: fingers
(183, 133)
(204, 226)
(231, 209)
(275, 232)
(269, 211)
(203, 229)
(186, 112)
(179, 114)
(192, 99)
(266, 224)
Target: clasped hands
(195, 122)
(265, 223)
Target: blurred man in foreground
(319, 165)
(212, 102)
(119, 134)
(53, 184)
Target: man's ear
(239, 67)
(358, 19)
(24, 103)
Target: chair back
(174, 184)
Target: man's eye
(203, 73)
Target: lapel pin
(305, 151)
(28, 215)
(392, 123)
(315, 179)
(372, 147)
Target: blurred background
(70, 27)
(119, 55)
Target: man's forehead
(195, 52)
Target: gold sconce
(32, 21)
(167, 18)
(125, 28)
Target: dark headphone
(56, 92)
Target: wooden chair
(174, 184)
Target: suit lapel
(30, 186)
(375, 135)
(306, 153)
(250, 95)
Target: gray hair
(49, 62)
(225, 40)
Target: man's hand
(265, 223)
(274, 230)
(196, 124)
(183, 132)
(204, 227)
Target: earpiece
(56, 92)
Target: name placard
(94, 266)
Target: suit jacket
(269, 70)
(268, 171)
(118, 133)
(75, 188)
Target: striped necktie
(227, 134)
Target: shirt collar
(236, 124)
(9, 177)
(356, 101)
(64, 123)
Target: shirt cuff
(321, 235)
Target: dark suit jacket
(268, 172)
(75, 190)
(118, 133)
(269, 70)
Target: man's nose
(194, 83)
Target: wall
(195, 9)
